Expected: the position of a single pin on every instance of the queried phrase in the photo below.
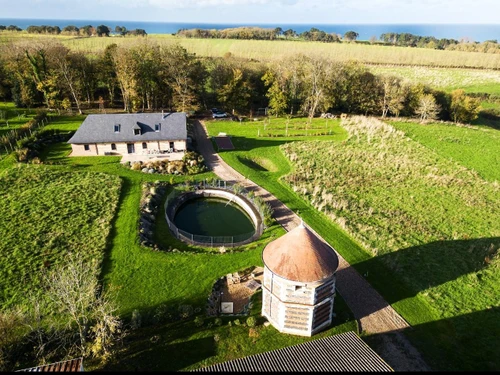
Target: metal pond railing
(214, 241)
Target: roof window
(157, 127)
(117, 128)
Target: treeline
(410, 40)
(259, 33)
(152, 77)
(87, 30)
(10, 28)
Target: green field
(429, 220)
(449, 79)
(12, 118)
(46, 215)
(264, 50)
(477, 147)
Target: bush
(218, 322)
(136, 319)
(237, 322)
(251, 321)
(198, 321)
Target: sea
(471, 32)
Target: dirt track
(374, 315)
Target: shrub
(251, 321)
(185, 311)
(218, 322)
(237, 322)
(136, 166)
(198, 321)
(136, 319)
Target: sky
(260, 11)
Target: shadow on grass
(423, 267)
(251, 164)
(469, 342)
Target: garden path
(374, 315)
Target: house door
(171, 146)
(130, 148)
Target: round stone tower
(299, 282)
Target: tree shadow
(469, 342)
(419, 268)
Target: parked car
(215, 110)
(219, 115)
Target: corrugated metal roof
(345, 352)
(72, 365)
(101, 128)
(300, 255)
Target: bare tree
(76, 293)
(427, 108)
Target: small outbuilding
(299, 282)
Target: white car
(219, 114)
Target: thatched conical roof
(300, 256)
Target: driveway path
(374, 315)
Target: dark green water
(213, 217)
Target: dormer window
(117, 128)
(157, 127)
(137, 131)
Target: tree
(122, 30)
(87, 30)
(276, 93)
(393, 95)
(236, 92)
(351, 35)
(428, 109)
(102, 30)
(463, 108)
(76, 293)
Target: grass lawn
(442, 286)
(46, 214)
(477, 148)
(146, 282)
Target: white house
(137, 133)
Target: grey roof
(101, 128)
(345, 352)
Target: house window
(86, 147)
(113, 146)
(117, 128)
(144, 145)
(137, 131)
(157, 127)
